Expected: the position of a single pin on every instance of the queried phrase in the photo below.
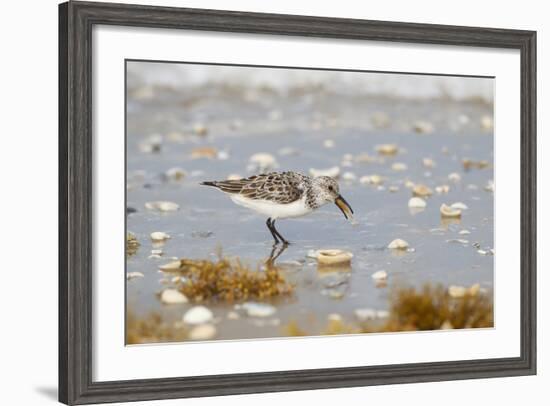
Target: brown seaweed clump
(132, 244)
(432, 308)
(230, 281)
(151, 329)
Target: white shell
(333, 257)
(447, 211)
(203, 332)
(459, 206)
(380, 276)
(172, 296)
(442, 189)
(198, 315)
(417, 203)
(333, 172)
(254, 309)
(398, 244)
(422, 190)
(159, 236)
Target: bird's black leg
(273, 233)
(278, 233)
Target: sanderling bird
(280, 195)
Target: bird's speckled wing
(285, 187)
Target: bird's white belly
(271, 209)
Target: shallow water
(242, 124)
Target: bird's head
(327, 191)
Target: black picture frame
(76, 20)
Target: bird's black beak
(344, 206)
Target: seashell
(428, 163)
(333, 172)
(134, 275)
(162, 206)
(380, 276)
(386, 149)
(398, 244)
(333, 257)
(423, 127)
(459, 206)
(486, 123)
(442, 189)
(203, 332)
(254, 309)
(328, 143)
(417, 203)
(172, 296)
(175, 174)
(399, 167)
(454, 177)
(421, 190)
(263, 161)
(200, 129)
(447, 211)
(371, 180)
(159, 236)
(349, 176)
(204, 152)
(456, 291)
(171, 266)
(198, 315)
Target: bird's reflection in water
(276, 251)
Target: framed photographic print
(258, 202)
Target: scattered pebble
(387, 149)
(159, 236)
(398, 244)
(417, 203)
(447, 211)
(421, 190)
(399, 166)
(334, 257)
(254, 309)
(172, 296)
(203, 332)
(198, 315)
(263, 161)
(423, 127)
(134, 275)
(162, 206)
(380, 276)
(204, 152)
(333, 172)
(454, 177)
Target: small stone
(365, 314)
(399, 166)
(459, 206)
(417, 203)
(198, 315)
(454, 177)
(380, 275)
(134, 275)
(449, 212)
(171, 266)
(398, 244)
(422, 190)
(254, 309)
(162, 206)
(203, 332)
(387, 149)
(333, 172)
(172, 296)
(204, 152)
(423, 127)
(159, 236)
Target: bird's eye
(330, 188)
